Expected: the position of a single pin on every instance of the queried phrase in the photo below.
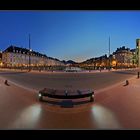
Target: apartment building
(124, 57)
(15, 56)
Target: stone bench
(66, 94)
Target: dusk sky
(70, 35)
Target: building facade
(124, 57)
(0, 58)
(21, 57)
(138, 52)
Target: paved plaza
(115, 107)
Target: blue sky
(76, 35)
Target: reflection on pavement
(28, 118)
(104, 118)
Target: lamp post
(29, 53)
(109, 55)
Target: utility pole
(29, 53)
(109, 55)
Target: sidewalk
(117, 107)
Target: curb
(113, 86)
(18, 85)
(96, 91)
(86, 71)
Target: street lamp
(109, 55)
(29, 53)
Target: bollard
(138, 75)
(126, 83)
(6, 82)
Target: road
(96, 81)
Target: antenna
(29, 43)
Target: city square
(69, 70)
(108, 111)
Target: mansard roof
(16, 49)
(21, 50)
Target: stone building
(138, 52)
(124, 57)
(17, 57)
